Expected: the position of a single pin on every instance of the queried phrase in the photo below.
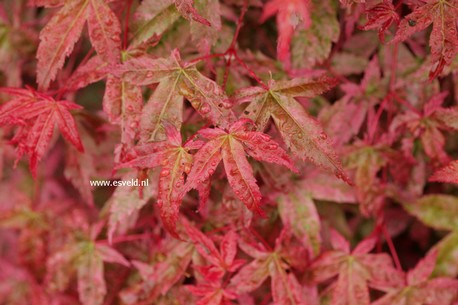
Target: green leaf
(437, 211)
(447, 259)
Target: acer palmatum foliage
(289, 152)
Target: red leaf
(39, 113)
(175, 161)
(444, 36)
(380, 17)
(230, 146)
(447, 174)
(291, 14)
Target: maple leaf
(420, 289)
(175, 160)
(158, 277)
(87, 73)
(447, 260)
(176, 81)
(380, 17)
(124, 206)
(367, 161)
(85, 258)
(155, 17)
(64, 29)
(123, 103)
(290, 14)
(220, 261)
(344, 119)
(37, 114)
(285, 287)
(448, 173)
(297, 211)
(437, 211)
(443, 40)
(231, 147)
(356, 270)
(302, 134)
(312, 45)
(428, 125)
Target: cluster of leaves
(265, 149)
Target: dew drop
(178, 184)
(165, 173)
(265, 137)
(300, 135)
(273, 146)
(323, 136)
(339, 175)
(149, 74)
(205, 109)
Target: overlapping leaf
(231, 147)
(176, 81)
(285, 287)
(290, 14)
(64, 29)
(428, 126)
(312, 45)
(86, 259)
(356, 270)
(158, 277)
(297, 210)
(380, 17)
(155, 17)
(302, 134)
(36, 115)
(175, 161)
(420, 289)
(443, 40)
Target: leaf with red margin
(380, 17)
(104, 31)
(355, 270)
(285, 287)
(420, 288)
(444, 36)
(231, 147)
(290, 15)
(60, 34)
(302, 134)
(175, 161)
(176, 80)
(58, 39)
(39, 114)
(221, 260)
